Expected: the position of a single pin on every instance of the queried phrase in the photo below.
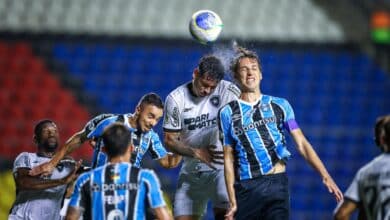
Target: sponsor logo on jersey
(254, 125)
(188, 109)
(114, 186)
(199, 122)
(215, 100)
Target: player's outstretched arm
(229, 181)
(173, 143)
(71, 144)
(171, 160)
(307, 151)
(26, 182)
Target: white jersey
(196, 119)
(39, 204)
(371, 187)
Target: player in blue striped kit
(253, 130)
(117, 190)
(148, 112)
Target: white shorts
(196, 189)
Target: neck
(119, 159)
(250, 96)
(45, 153)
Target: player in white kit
(370, 189)
(41, 197)
(190, 129)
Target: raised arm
(307, 151)
(229, 181)
(71, 144)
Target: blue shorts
(264, 197)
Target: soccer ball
(205, 26)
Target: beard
(49, 146)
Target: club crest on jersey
(215, 100)
(114, 176)
(264, 107)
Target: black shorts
(264, 197)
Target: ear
(131, 148)
(195, 74)
(35, 140)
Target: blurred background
(69, 60)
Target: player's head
(246, 69)
(46, 135)
(207, 75)
(149, 111)
(380, 132)
(386, 138)
(116, 140)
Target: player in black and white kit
(41, 197)
(190, 129)
(370, 189)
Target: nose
(207, 90)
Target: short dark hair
(151, 99)
(39, 126)
(386, 128)
(116, 139)
(212, 66)
(379, 128)
(242, 52)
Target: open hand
(209, 155)
(44, 169)
(230, 212)
(333, 188)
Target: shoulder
(179, 92)
(225, 85)
(228, 106)
(25, 155)
(277, 100)
(147, 173)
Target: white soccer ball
(205, 26)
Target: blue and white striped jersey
(143, 141)
(257, 133)
(116, 191)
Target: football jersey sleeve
(80, 192)
(289, 118)
(352, 192)
(23, 160)
(94, 122)
(224, 125)
(172, 120)
(156, 148)
(154, 193)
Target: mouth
(250, 79)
